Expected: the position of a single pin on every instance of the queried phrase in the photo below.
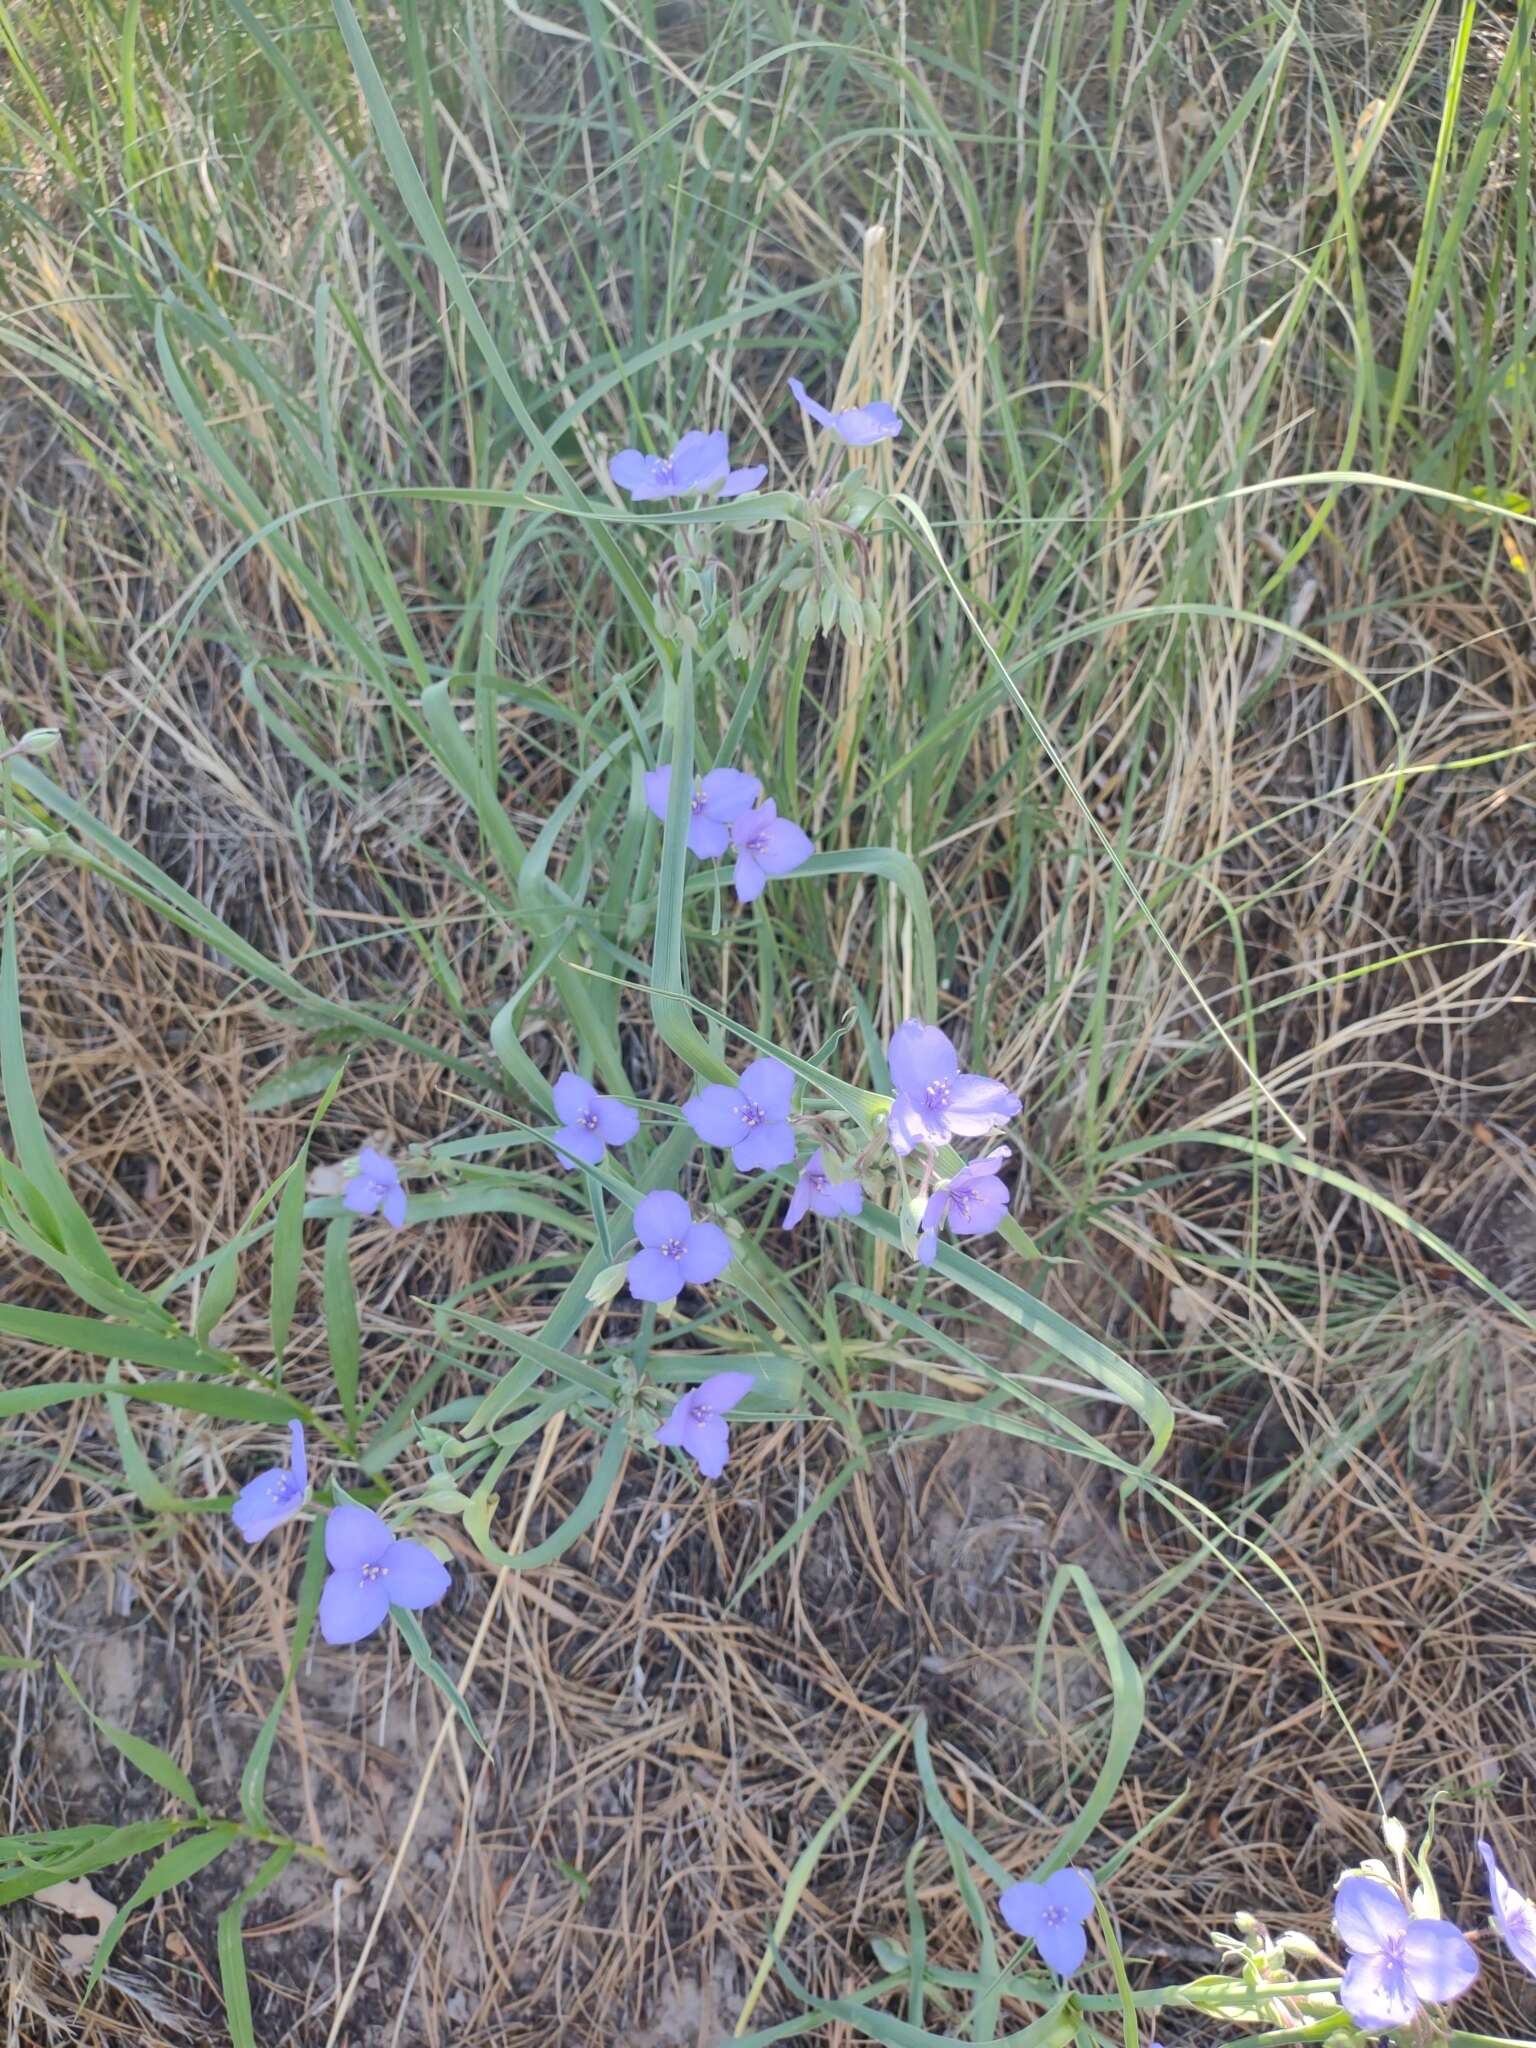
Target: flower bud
(42, 739)
(1395, 1835)
(607, 1284)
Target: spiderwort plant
(700, 462)
(751, 1120)
(856, 426)
(274, 1497)
(675, 1250)
(934, 1102)
(372, 1570)
(766, 845)
(589, 1122)
(970, 1203)
(1397, 1964)
(818, 1192)
(375, 1188)
(719, 799)
(697, 1423)
(1513, 1913)
(1052, 1914)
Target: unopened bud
(42, 739)
(1395, 1835)
(607, 1284)
(737, 639)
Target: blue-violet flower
(697, 1424)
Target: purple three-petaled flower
(372, 1570)
(697, 1424)
(857, 426)
(1396, 1964)
(699, 462)
(675, 1251)
(751, 1119)
(971, 1202)
(271, 1498)
(935, 1102)
(1051, 1915)
(1513, 1913)
(817, 1191)
(719, 799)
(375, 1186)
(765, 844)
(589, 1122)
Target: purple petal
(374, 1166)
(862, 425)
(1438, 1960)
(1368, 1915)
(708, 1444)
(977, 1105)
(699, 461)
(771, 1085)
(1021, 1906)
(265, 1503)
(658, 787)
(747, 878)
(905, 1126)
(354, 1537)
(673, 1431)
(985, 1206)
(298, 1457)
(918, 1054)
(351, 1606)
(706, 1253)
(617, 1122)
(361, 1195)
(575, 1143)
(843, 1198)
(780, 847)
(740, 481)
(722, 1390)
(632, 471)
(661, 1214)
(984, 1168)
(413, 1575)
(799, 1202)
(654, 1277)
(761, 1150)
(935, 1209)
(1375, 1994)
(393, 1206)
(715, 1114)
(708, 838)
(727, 792)
(1513, 1913)
(1062, 1944)
(1070, 1890)
(927, 1247)
(572, 1095)
(808, 404)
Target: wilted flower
(375, 1185)
(971, 1202)
(751, 1119)
(718, 801)
(675, 1251)
(699, 462)
(1051, 1915)
(271, 1498)
(858, 426)
(372, 1571)
(1396, 1964)
(934, 1100)
(816, 1190)
(697, 1424)
(1513, 1913)
(590, 1122)
(766, 844)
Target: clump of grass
(309, 558)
